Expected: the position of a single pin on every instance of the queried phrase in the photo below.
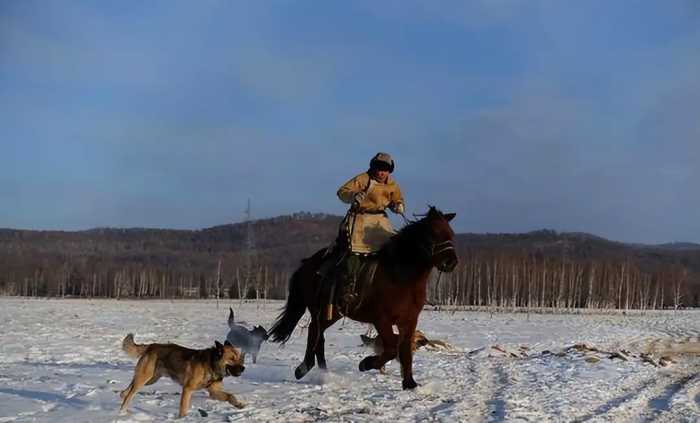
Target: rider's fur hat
(381, 160)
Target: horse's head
(441, 240)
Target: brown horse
(396, 296)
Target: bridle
(441, 247)
(433, 249)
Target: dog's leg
(216, 391)
(154, 379)
(122, 394)
(185, 400)
(255, 357)
(143, 372)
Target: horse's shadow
(273, 373)
(282, 372)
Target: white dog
(249, 341)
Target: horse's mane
(404, 254)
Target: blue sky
(518, 115)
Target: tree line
(531, 281)
(505, 280)
(80, 279)
(541, 269)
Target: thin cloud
(517, 115)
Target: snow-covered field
(61, 361)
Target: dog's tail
(284, 326)
(231, 320)
(133, 349)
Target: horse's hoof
(301, 371)
(409, 384)
(366, 364)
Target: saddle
(355, 289)
(347, 291)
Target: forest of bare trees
(506, 281)
(533, 271)
(534, 282)
(79, 280)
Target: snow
(61, 361)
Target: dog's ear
(219, 348)
(228, 343)
(230, 317)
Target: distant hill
(281, 243)
(283, 240)
(678, 246)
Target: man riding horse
(366, 226)
(394, 280)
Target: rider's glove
(397, 208)
(359, 197)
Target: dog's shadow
(99, 365)
(45, 396)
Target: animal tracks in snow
(505, 367)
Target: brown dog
(378, 346)
(419, 340)
(193, 369)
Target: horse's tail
(283, 327)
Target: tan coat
(368, 228)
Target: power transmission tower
(249, 272)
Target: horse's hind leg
(389, 343)
(311, 345)
(320, 347)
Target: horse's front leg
(311, 345)
(389, 342)
(407, 330)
